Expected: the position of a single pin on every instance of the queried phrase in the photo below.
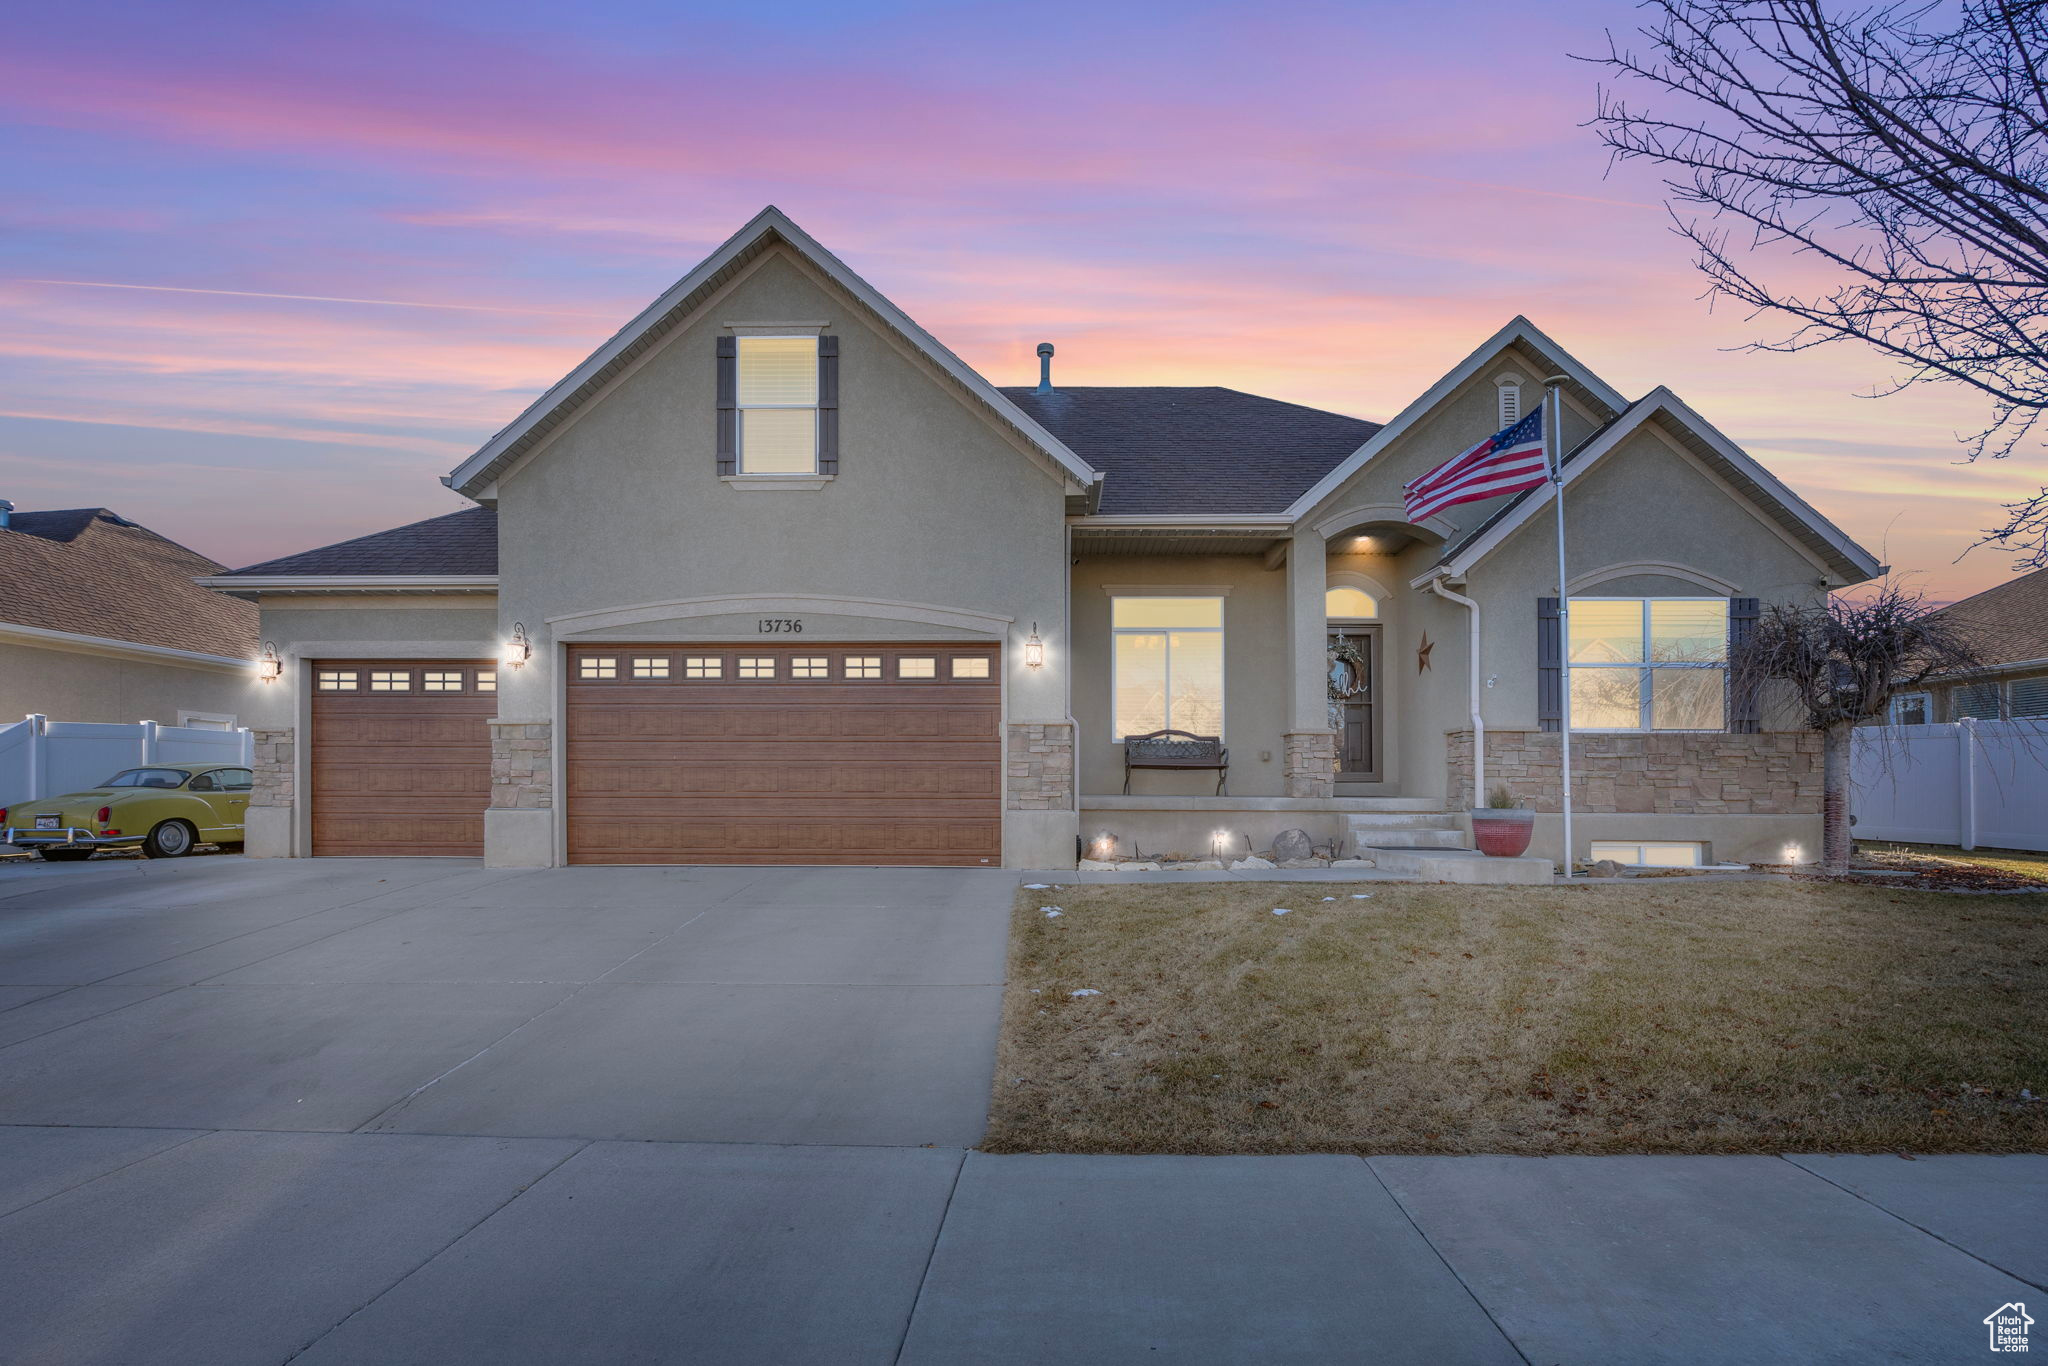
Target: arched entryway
(1351, 608)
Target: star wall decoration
(1422, 654)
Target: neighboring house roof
(91, 572)
(2007, 624)
(1828, 544)
(1198, 450)
(767, 229)
(461, 544)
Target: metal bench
(1176, 749)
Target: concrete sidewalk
(166, 1246)
(416, 1111)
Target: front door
(1355, 671)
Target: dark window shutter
(828, 405)
(728, 405)
(1745, 716)
(1549, 665)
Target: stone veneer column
(522, 765)
(275, 781)
(1041, 766)
(1311, 763)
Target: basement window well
(1657, 854)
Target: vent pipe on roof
(1045, 367)
(6, 511)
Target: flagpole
(1553, 438)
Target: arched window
(1345, 603)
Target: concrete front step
(1461, 865)
(1418, 838)
(1403, 820)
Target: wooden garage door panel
(889, 768)
(401, 771)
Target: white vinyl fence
(44, 758)
(1970, 783)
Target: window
(396, 680)
(917, 668)
(434, 680)
(1911, 709)
(597, 666)
(1649, 663)
(148, 777)
(970, 666)
(486, 680)
(1168, 665)
(810, 666)
(703, 666)
(1975, 701)
(1346, 604)
(337, 680)
(222, 780)
(862, 666)
(206, 720)
(1658, 854)
(757, 666)
(778, 405)
(650, 666)
(2029, 697)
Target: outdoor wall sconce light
(1034, 649)
(518, 649)
(269, 668)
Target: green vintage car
(164, 808)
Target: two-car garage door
(755, 754)
(764, 754)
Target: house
(101, 621)
(2008, 625)
(775, 577)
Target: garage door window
(863, 666)
(810, 666)
(486, 680)
(703, 666)
(650, 666)
(597, 666)
(917, 668)
(970, 666)
(390, 681)
(440, 680)
(757, 666)
(337, 680)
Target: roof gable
(1588, 387)
(1825, 541)
(767, 229)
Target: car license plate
(49, 822)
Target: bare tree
(1842, 660)
(1900, 146)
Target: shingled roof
(464, 542)
(1195, 450)
(2008, 623)
(91, 572)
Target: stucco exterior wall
(67, 685)
(938, 526)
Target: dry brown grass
(1713, 1017)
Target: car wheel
(67, 855)
(170, 839)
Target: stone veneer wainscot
(1773, 773)
(1041, 766)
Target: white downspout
(1436, 586)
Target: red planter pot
(1502, 832)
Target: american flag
(1506, 462)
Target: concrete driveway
(414, 1111)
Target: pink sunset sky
(271, 270)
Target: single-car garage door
(401, 757)
(836, 754)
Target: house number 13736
(774, 626)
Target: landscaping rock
(1147, 866)
(1292, 844)
(1207, 865)
(1606, 867)
(1251, 861)
(1096, 865)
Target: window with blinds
(2029, 697)
(778, 405)
(1975, 701)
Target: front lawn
(1645, 1017)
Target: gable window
(1167, 663)
(1649, 663)
(778, 405)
